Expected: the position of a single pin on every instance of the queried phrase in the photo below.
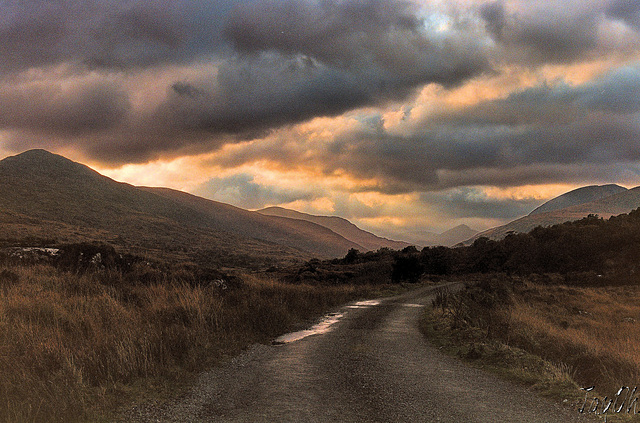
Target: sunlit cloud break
(399, 115)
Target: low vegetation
(374, 267)
(594, 331)
(475, 324)
(554, 338)
(84, 331)
(558, 308)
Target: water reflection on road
(364, 304)
(322, 327)
(329, 320)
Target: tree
(406, 268)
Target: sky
(402, 116)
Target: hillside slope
(301, 234)
(348, 230)
(579, 196)
(453, 236)
(622, 202)
(46, 195)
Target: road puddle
(319, 328)
(364, 304)
(322, 327)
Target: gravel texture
(374, 365)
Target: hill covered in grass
(605, 249)
(569, 207)
(579, 196)
(47, 196)
(367, 240)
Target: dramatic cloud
(273, 63)
(112, 34)
(73, 109)
(399, 113)
(627, 11)
(554, 34)
(242, 190)
(376, 38)
(531, 136)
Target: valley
(120, 297)
(361, 211)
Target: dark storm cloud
(332, 31)
(544, 134)
(264, 92)
(495, 17)
(383, 38)
(277, 63)
(110, 33)
(554, 34)
(495, 157)
(594, 123)
(268, 91)
(625, 10)
(78, 109)
(407, 163)
(302, 59)
(615, 93)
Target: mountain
(48, 196)
(370, 241)
(448, 238)
(453, 236)
(301, 234)
(348, 230)
(579, 196)
(621, 202)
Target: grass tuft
(74, 347)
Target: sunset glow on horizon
(401, 116)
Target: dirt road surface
(373, 365)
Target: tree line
(591, 248)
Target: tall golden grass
(594, 330)
(69, 343)
(591, 334)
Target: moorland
(112, 294)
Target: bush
(406, 268)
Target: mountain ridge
(339, 225)
(579, 196)
(453, 236)
(47, 195)
(622, 202)
(228, 215)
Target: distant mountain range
(47, 196)
(373, 242)
(602, 200)
(341, 226)
(451, 237)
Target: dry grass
(596, 331)
(553, 337)
(71, 346)
(464, 332)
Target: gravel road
(373, 365)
